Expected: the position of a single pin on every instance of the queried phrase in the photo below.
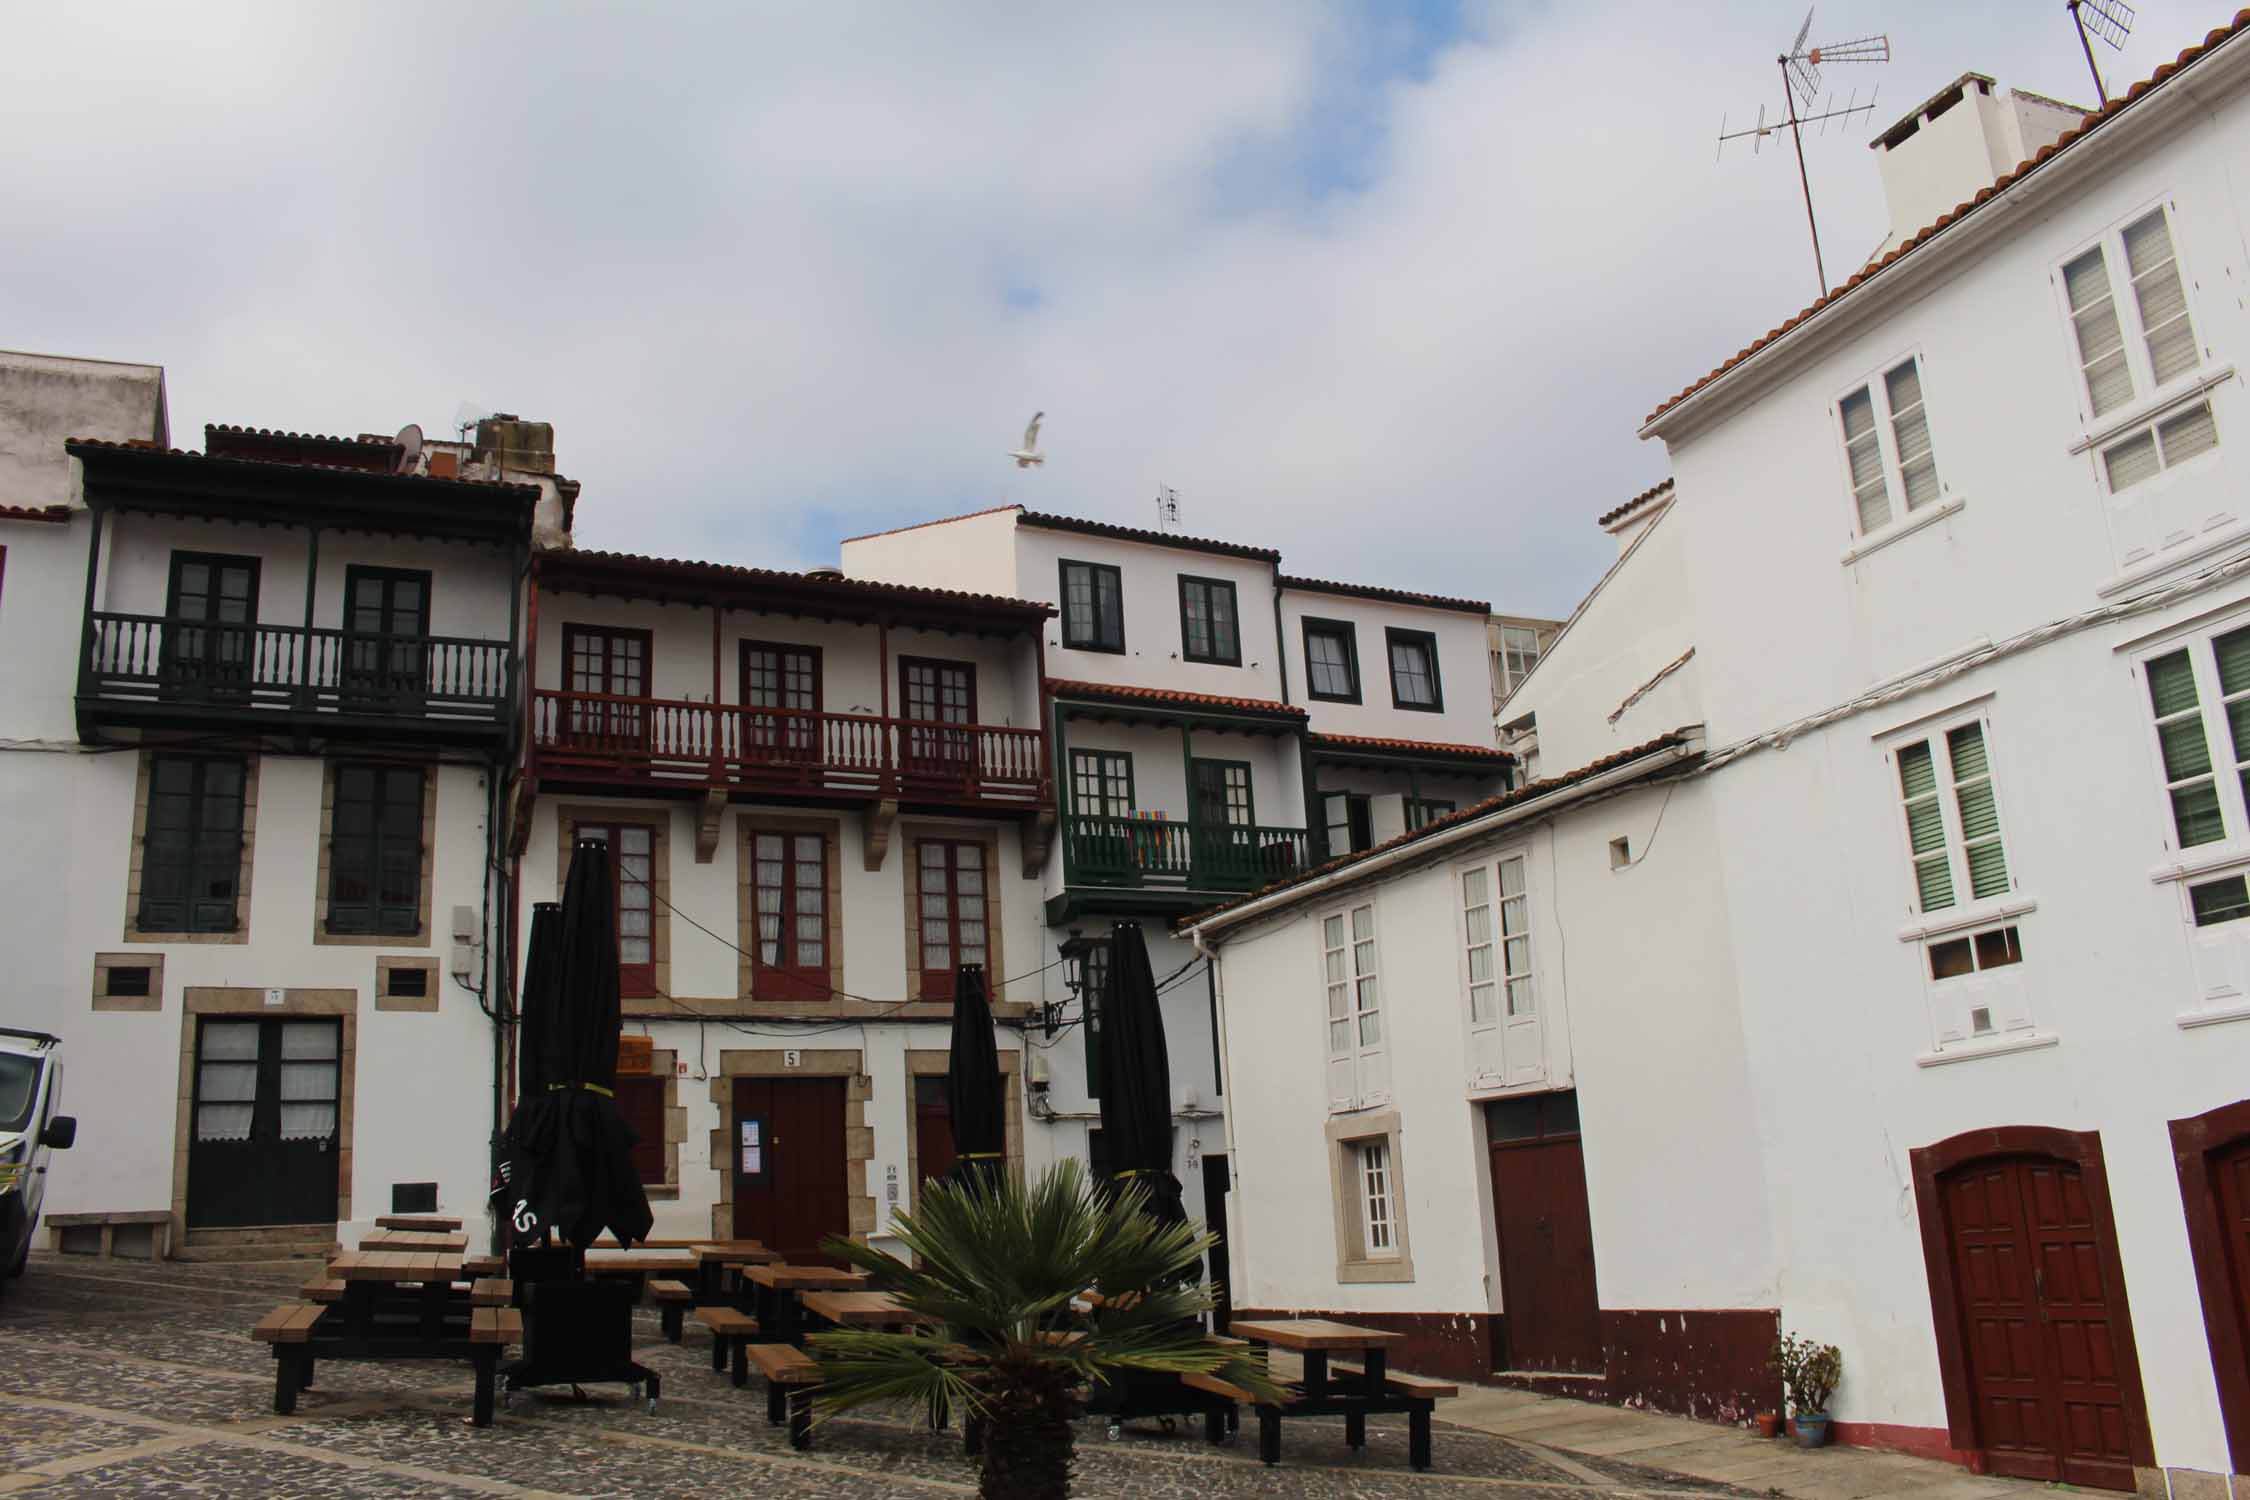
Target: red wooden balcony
(783, 753)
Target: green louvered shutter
(1925, 827)
(2187, 754)
(1980, 811)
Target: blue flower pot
(1811, 1431)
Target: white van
(30, 1128)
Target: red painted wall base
(1892, 1437)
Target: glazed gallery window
(1093, 612)
(605, 665)
(1101, 783)
(789, 895)
(375, 851)
(1952, 818)
(1358, 1062)
(1499, 941)
(1519, 653)
(1208, 629)
(1887, 446)
(1331, 661)
(2134, 339)
(779, 675)
(2199, 697)
(191, 855)
(1414, 669)
(632, 869)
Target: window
(938, 692)
(2134, 338)
(1358, 1066)
(386, 617)
(1976, 984)
(2214, 902)
(1367, 1177)
(600, 666)
(1887, 446)
(1377, 1223)
(1423, 811)
(1208, 628)
(1101, 783)
(1518, 654)
(1331, 661)
(1093, 613)
(632, 868)
(210, 640)
(784, 677)
(2199, 697)
(1414, 670)
(1953, 841)
(191, 861)
(1350, 819)
(950, 885)
(1222, 793)
(1505, 1044)
(375, 851)
(1092, 959)
(789, 896)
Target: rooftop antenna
(1800, 91)
(1167, 508)
(2112, 21)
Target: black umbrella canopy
(1137, 1078)
(974, 1096)
(538, 1057)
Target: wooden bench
(290, 1323)
(485, 1265)
(491, 1291)
(1220, 1414)
(673, 1299)
(791, 1377)
(730, 1331)
(1404, 1385)
(429, 1223)
(322, 1291)
(617, 1263)
(495, 1325)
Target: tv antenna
(1167, 508)
(1800, 91)
(2112, 21)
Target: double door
(210, 638)
(936, 696)
(385, 650)
(1548, 1297)
(264, 1122)
(789, 1187)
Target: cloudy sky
(1386, 285)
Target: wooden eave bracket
(876, 831)
(519, 814)
(1038, 833)
(707, 825)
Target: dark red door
(938, 693)
(2037, 1322)
(789, 1189)
(933, 1129)
(1548, 1298)
(2229, 1168)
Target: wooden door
(2037, 1325)
(933, 1129)
(610, 665)
(787, 678)
(386, 618)
(264, 1122)
(949, 880)
(937, 692)
(2229, 1308)
(211, 639)
(1548, 1296)
(789, 1188)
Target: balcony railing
(199, 663)
(606, 737)
(1188, 855)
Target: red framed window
(632, 870)
(612, 663)
(933, 691)
(789, 898)
(777, 675)
(950, 885)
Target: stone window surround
(931, 1062)
(792, 1000)
(152, 1001)
(1353, 1265)
(911, 836)
(420, 936)
(859, 1137)
(389, 964)
(250, 1005)
(659, 821)
(241, 933)
(664, 1063)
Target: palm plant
(996, 1262)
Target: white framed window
(1955, 849)
(1378, 1223)
(2199, 709)
(1367, 1181)
(1506, 1043)
(2134, 338)
(1519, 653)
(1976, 985)
(1358, 1061)
(1887, 453)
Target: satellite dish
(409, 442)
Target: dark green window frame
(1393, 639)
(1093, 993)
(1354, 813)
(375, 850)
(1213, 650)
(1421, 812)
(191, 844)
(1101, 783)
(1348, 634)
(1107, 628)
(1197, 766)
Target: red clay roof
(575, 568)
(1662, 487)
(1473, 811)
(1411, 747)
(970, 515)
(1154, 538)
(1395, 596)
(56, 513)
(1116, 692)
(152, 451)
(2068, 139)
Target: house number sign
(791, 1057)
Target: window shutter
(2101, 345)
(1483, 976)
(1865, 453)
(2131, 461)
(2188, 434)
(1980, 812)
(1949, 1005)
(1337, 987)
(1910, 428)
(2009, 997)
(2160, 298)
(1925, 827)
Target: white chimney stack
(1958, 143)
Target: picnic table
(863, 1310)
(1352, 1391)
(714, 1257)
(394, 1304)
(415, 1239)
(778, 1285)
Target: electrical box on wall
(464, 924)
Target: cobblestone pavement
(119, 1378)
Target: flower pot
(1769, 1423)
(1811, 1429)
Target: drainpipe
(496, 971)
(1236, 1222)
(1280, 643)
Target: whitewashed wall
(1464, 669)
(972, 553)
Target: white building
(1906, 1017)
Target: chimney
(507, 442)
(1958, 143)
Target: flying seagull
(1029, 456)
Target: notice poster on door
(753, 1147)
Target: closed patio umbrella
(974, 1099)
(1137, 1078)
(538, 1062)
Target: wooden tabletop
(414, 1239)
(862, 1309)
(1313, 1333)
(395, 1265)
(787, 1278)
(438, 1222)
(734, 1252)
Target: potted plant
(1769, 1424)
(996, 1266)
(1809, 1372)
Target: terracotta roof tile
(1473, 811)
(1116, 692)
(1395, 596)
(1414, 747)
(585, 561)
(1662, 487)
(1049, 522)
(2069, 138)
(60, 514)
(151, 450)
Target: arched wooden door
(2034, 1335)
(2212, 1153)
